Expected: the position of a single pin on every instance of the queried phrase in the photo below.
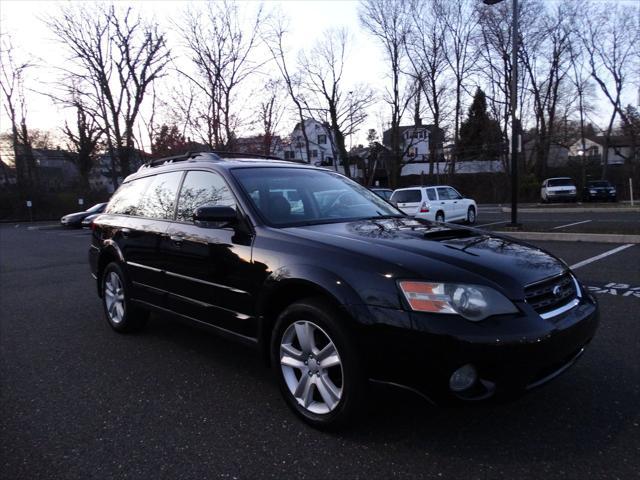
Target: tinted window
(560, 182)
(431, 194)
(202, 189)
(289, 196)
(599, 184)
(127, 198)
(407, 196)
(159, 198)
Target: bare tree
(223, 52)
(460, 28)
(390, 22)
(14, 103)
(83, 139)
(270, 112)
(546, 61)
(328, 99)
(610, 36)
(426, 51)
(116, 57)
(274, 38)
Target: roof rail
(214, 156)
(224, 155)
(179, 158)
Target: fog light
(463, 378)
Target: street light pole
(514, 107)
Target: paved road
(492, 218)
(79, 401)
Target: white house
(416, 141)
(321, 144)
(619, 148)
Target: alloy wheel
(311, 367)
(114, 297)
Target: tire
(326, 398)
(440, 217)
(120, 314)
(471, 216)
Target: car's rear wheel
(440, 217)
(121, 315)
(318, 369)
(471, 216)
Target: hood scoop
(441, 234)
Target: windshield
(97, 208)
(560, 182)
(300, 196)
(599, 184)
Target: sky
(23, 20)
(308, 20)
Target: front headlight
(473, 302)
(593, 192)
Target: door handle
(441, 203)
(455, 201)
(176, 240)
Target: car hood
(418, 246)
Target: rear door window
(202, 189)
(159, 198)
(126, 200)
(407, 196)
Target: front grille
(541, 295)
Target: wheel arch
(278, 293)
(110, 253)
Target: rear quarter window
(407, 196)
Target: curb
(575, 210)
(573, 237)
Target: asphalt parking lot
(606, 219)
(80, 401)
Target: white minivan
(439, 203)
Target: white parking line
(601, 256)
(570, 224)
(494, 223)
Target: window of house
(322, 139)
(201, 189)
(289, 155)
(314, 153)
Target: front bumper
(562, 197)
(511, 354)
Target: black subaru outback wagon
(334, 285)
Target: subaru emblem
(556, 291)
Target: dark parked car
(88, 220)
(383, 193)
(599, 190)
(334, 285)
(75, 219)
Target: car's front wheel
(121, 315)
(318, 369)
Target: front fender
(313, 277)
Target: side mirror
(224, 215)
